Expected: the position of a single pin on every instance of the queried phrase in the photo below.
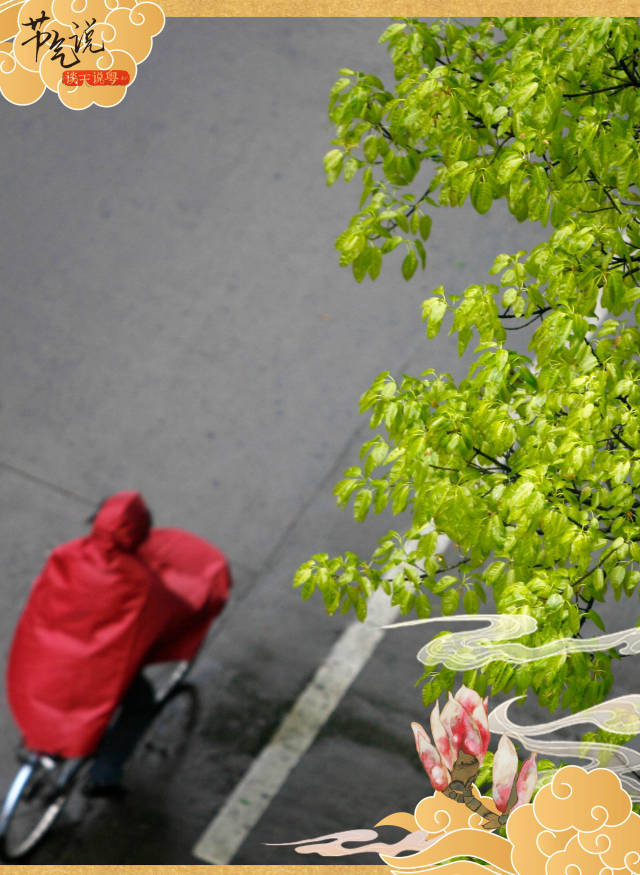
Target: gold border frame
(198, 870)
(321, 9)
(390, 8)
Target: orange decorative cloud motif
(87, 51)
(450, 830)
(581, 823)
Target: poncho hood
(122, 521)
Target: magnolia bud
(469, 699)
(505, 766)
(442, 739)
(527, 780)
(462, 728)
(430, 758)
(481, 720)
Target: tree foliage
(530, 465)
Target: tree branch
(497, 462)
(601, 90)
(463, 774)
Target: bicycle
(43, 783)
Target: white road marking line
(252, 796)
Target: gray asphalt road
(174, 320)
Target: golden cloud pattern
(81, 41)
(581, 823)
(451, 831)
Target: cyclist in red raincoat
(103, 607)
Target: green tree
(531, 467)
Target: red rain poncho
(104, 606)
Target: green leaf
(339, 86)
(470, 602)
(333, 161)
(422, 606)
(302, 575)
(361, 504)
(351, 166)
(409, 264)
(400, 497)
(381, 497)
(598, 583)
(434, 309)
(508, 166)
(425, 227)
(391, 31)
(522, 492)
(500, 263)
(360, 265)
(344, 489)
(370, 148)
(450, 601)
(481, 196)
(422, 253)
(378, 454)
(615, 580)
(439, 586)
(375, 262)
(521, 96)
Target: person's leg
(136, 713)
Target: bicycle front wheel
(34, 801)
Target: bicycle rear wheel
(34, 801)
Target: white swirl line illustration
(620, 715)
(479, 647)
(464, 650)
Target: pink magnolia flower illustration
(505, 768)
(462, 727)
